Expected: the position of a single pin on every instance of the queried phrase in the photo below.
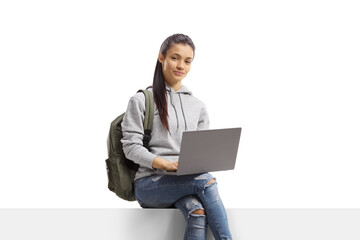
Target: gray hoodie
(186, 113)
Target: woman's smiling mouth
(178, 73)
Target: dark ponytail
(159, 87)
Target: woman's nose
(180, 65)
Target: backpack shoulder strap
(149, 116)
(149, 109)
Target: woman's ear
(161, 58)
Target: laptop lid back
(208, 150)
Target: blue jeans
(187, 193)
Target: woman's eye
(188, 62)
(173, 58)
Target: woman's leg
(165, 190)
(194, 213)
(214, 208)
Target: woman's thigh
(164, 190)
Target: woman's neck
(176, 86)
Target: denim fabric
(196, 224)
(187, 193)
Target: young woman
(176, 110)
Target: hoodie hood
(183, 89)
(177, 94)
(169, 89)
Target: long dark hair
(159, 87)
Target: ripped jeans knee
(204, 181)
(196, 222)
(191, 206)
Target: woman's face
(177, 63)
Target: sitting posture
(176, 110)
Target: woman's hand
(172, 166)
(161, 163)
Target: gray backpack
(120, 170)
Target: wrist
(159, 163)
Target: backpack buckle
(147, 138)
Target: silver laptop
(207, 151)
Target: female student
(176, 110)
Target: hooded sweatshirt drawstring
(172, 104)
(171, 93)
(182, 109)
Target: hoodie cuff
(148, 159)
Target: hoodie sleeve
(133, 133)
(204, 122)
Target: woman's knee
(190, 205)
(211, 181)
(204, 181)
(199, 212)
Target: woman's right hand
(171, 166)
(161, 163)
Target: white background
(287, 72)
